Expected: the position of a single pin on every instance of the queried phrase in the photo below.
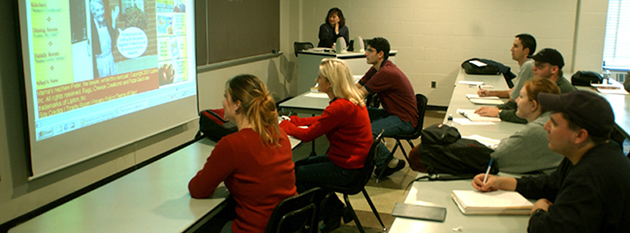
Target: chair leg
(354, 215)
(389, 158)
(378, 216)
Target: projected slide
(95, 60)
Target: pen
(479, 86)
(485, 178)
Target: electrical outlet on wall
(433, 84)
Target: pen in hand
(485, 178)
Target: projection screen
(102, 74)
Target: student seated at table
(346, 124)
(548, 63)
(590, 190)
(523, 48)
(255, 163)
(526, 150)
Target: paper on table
(472, 116)
(495, 202)
(610, 89)
(477, 63)
(475, 96)
(465, 121)
(489, 142)
(471, 82)
(489, 100)
(317, 95)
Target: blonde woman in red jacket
(346, 124)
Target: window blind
(617, 40)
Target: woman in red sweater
(255, 163)
(347, 127)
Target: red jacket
(347, 127)
(258, 177)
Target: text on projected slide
(87, 54)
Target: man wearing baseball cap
(548, 63)
(590, 190)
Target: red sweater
(394, 91)
(347, 127)
(258, 177)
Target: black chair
(366, 173)
(422, 108)
(299, 46)
(296, 214)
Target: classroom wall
(433, 37)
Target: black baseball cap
(550, 56)
(586, 109)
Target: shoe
(333, 220)
(347, 215)
(388, 171)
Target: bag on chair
(213, 126)
(442, 150)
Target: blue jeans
(393, 125)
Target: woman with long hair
(255, 163)
(334, 26)
(346, 124)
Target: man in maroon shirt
(399, 114)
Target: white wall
(433, 37)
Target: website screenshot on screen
(94, 60)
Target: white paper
(472, 116)
(489, 142)
(477, 63)
(317, 95)
(465, 121)
(471, 82)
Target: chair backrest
(299, 46)
(422, 108)
(296, 214)
(366, 170)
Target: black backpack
(213, 126)
(442, 150)
(585, 78)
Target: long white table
(154, 198)
(459, 101)
(621, 108)
(308, 102)
(309, 60)
(438, 193)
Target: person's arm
(488, 111)
(500, 94)
(345, 32)
(577, 208)
(218, 167)
(323, 124)
(509, 115)
(493, 183)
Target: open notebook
(487, 100)
(491, 203)
(472, 116)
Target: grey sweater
(527, 150)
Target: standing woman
(255, 163)
(334, 26)
(346, 124)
